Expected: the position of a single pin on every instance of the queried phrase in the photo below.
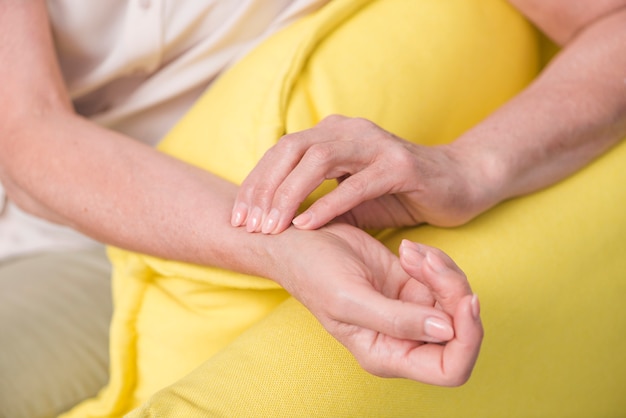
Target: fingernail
(303, 219)
(270, 222)
(254, 219)
(475, 303)
(410, 252)
(438, 329)
(239, 214)
(435, 263)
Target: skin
(571, 114)
(411, 316)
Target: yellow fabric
(549, 268)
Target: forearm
(572, 113)
(123, 193)
(59, 166)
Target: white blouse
(136, 66)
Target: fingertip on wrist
(238, 215)
(254, 221)
(270, 224)
(303, 220)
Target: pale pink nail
(435, 263)
(438, 329)
(410, 253)
(475, 306)
(303, 219)
(254, 220)
(270, 222)
(239, 214)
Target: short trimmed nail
(435, 263)
(270, 222)
(438, 329)
(239, 214)
(303, 219)
(410, 252)
(254, 219)
(475, 303)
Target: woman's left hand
(384, 181)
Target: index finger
(257, 190)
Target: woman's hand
(384, 181)
(412, 316)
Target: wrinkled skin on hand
(384, 181)
(412, 316)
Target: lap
(55, 310)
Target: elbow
(23, 129)
(11, 190)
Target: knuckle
(246, 190)
(403, 158)
(350, 124)
(338, 305)
(286, 197)
(319, 154)
(262, 194)
(355, 185)
(399, 327)
(451, 294)
(332, 119)
(358, 125)
(363, 122)
(287, 144)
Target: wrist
(277, 253)
(483, 171)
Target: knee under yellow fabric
(191, 341)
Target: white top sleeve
(136, 66)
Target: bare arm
(563, 20)
(60, 166)
(572, 113)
